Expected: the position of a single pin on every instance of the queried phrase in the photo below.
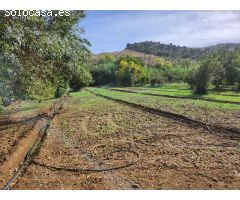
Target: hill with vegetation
(166, 63)
(148, 59)
(172, 51)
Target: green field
(28, 108)
(183, 90)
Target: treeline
(133, 71)
(42, 56)
(172, 51)
(220, 70)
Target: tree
(156, 76)
(236, 63)
(203, 76)
(131, 72)
(218, 76)
(191, 78)
(226, 58)
(81, 78)
(47, 51)
(103, 70)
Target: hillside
(149, 52)
(148, 59)
(172, 51)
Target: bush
(6, 101)
(1, 103)
(130, 72)
(103, 70)
(60, 91)
(81, 78)
(157, 81)
(39, 90)
(156, 76)
(203, 77)
(191, 79)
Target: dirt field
(19, 129)
(220, 114)
(96, 143)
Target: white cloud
(191, 28)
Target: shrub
(1, 103)
(39, 90)
(191, 78)
(60, 91)
(6, 101)
(81, 78)
(130, 72)
(202, 77)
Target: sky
(110, 31)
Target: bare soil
(203, 111)
(17, 135)
(96, 143)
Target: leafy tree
(156, 76)
(163, 64)
(103, 70)
(203, 77)
(218, 76)
(81, 78)
(130, 72)
(191, 78)
(236, 63)
(46, 51)
(220, 68)
(227, 60)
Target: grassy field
(183, 90)
(24, 109)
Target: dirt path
(95, 133)
(9, 167)
(18, 157)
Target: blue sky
(110, 31)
